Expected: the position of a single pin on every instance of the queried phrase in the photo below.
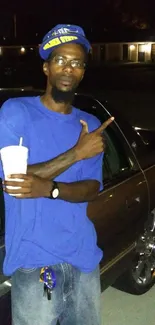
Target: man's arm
(52, 168)
(34, 186)
(82, 191)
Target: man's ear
(45, 68)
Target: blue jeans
(75, 299)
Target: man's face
(66, 67)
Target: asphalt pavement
(121, 308)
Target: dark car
(123, 213)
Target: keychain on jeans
(47, 276)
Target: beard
(61, 96)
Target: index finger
(105, 124)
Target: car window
(114, 152)
(115, 161)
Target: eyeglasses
(62, 61)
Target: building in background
(124, 51)
(106, 47)
(101, 52)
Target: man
(47, 228)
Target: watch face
(55, 193)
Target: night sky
(35, 18)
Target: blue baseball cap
(60, 35)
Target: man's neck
(48, 101)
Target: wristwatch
(54, 193)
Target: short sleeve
(11, 126)
(92, 168)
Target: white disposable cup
(14, 161)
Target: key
(47, 276)
(47, 292)
(48, 285)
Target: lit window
(145, 48)
(148, 47)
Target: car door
(121, 208)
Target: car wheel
(141, 276)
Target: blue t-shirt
(41, 231)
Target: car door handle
(132, 203)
